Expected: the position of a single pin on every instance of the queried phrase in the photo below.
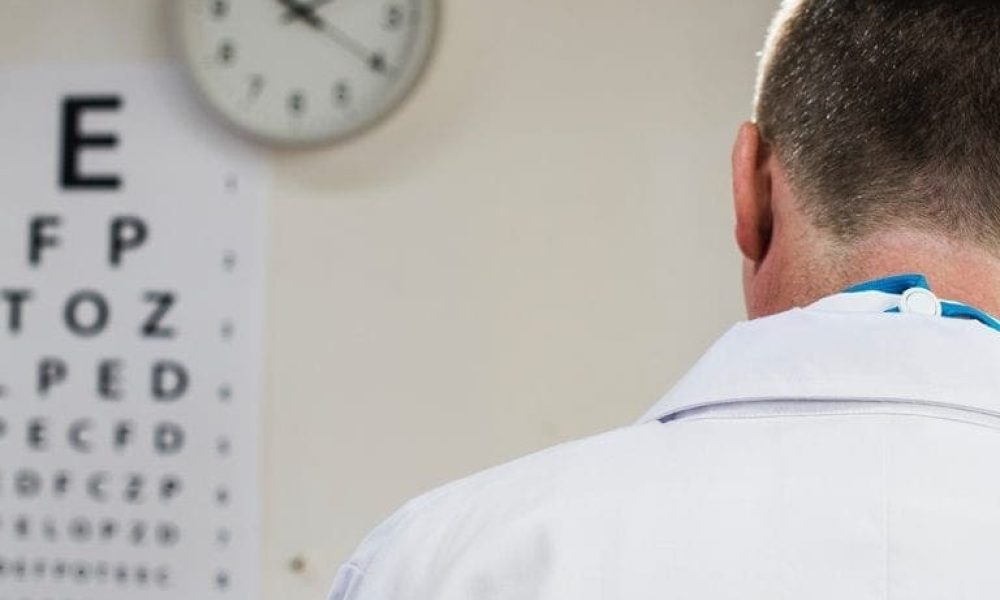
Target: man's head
(877, 130)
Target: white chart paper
(132, 239)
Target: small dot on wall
(229, 260)
(297, 564)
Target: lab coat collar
(846, 347)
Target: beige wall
(533, 249)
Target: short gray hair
(886, 113)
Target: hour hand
(312, 6)
(306, 12)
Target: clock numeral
(297, 103)
(226, 53)
(342, 94)
(394, 16)
(256, 86)
(377, 62)
(219, 8)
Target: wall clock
(305, 71)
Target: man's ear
(752, 194)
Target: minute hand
(307, 12)
(345, 41)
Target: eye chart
(132, 237)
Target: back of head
(886, 114)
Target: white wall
(533, 249)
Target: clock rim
(426, 48)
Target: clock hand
(375, 60)
(296, 10)
(310, 7)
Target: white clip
(920, 301)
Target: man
(842, 444)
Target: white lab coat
(831, 452)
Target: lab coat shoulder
(660, 506)
(500, 514)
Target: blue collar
(901, 284)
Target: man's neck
(956, 271)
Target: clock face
(306, 71)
